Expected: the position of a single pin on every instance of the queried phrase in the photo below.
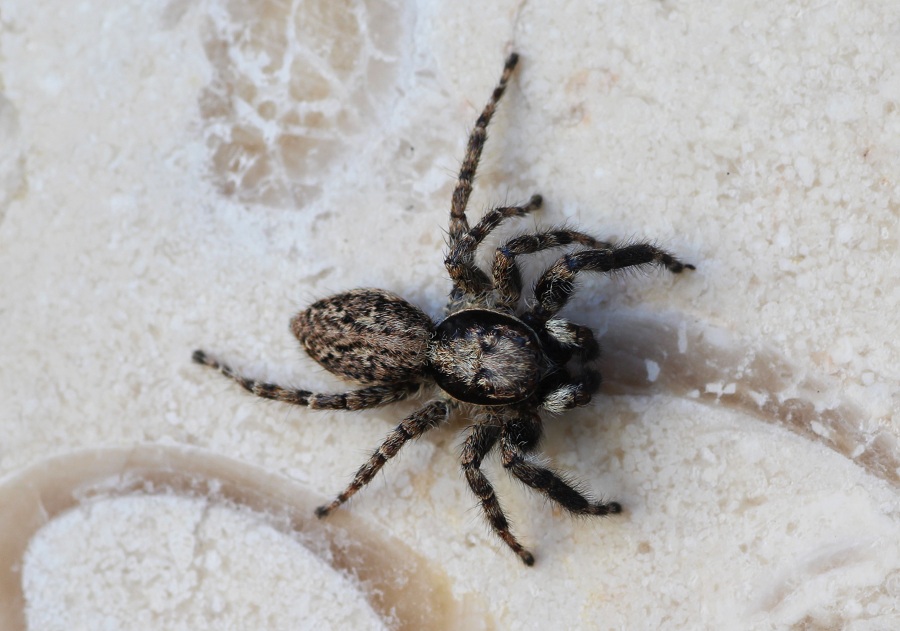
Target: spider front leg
(516, 439)
(571, 338)
(361, 399)
(411, 427)
(466, 276)
(479, 443)
(459, 225)
(555, 286)
(506, 274)
(565, 393)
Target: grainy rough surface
(193, 172)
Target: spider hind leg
(361, 399)
(480, 442)
(516, 440)
(411, 427)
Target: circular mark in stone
(294, 84)
(399, 586)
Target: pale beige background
(186, 174)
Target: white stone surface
(190, 174)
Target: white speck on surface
(820, 429)
(844, 233)
(806, 171)
(652, 370)
(843, 108)
(714, 388)
(759, 398)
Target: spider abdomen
(370, 336)
(486, 357)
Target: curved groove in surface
(400, 586)
(646, 354)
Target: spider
(502, 363)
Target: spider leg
(412, 426)
(508, 278)
(478, 444)
(552, 484)
(573, 337)
(556, 285)
(566, 393)
(466, 276)
(459, 225)
(361, 399)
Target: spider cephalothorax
(486, 352)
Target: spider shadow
(667, 354)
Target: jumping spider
(505, 364)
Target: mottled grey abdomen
(370, 336)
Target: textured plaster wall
(185, 174)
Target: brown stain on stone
(401, 587)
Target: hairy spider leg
(571, 337)
(564, 393)
(505, 271)
(361, 399)
(329, 334)
(466, 276)
(521, 435)
(459, 225)
(478, 444)
(556, 285)
(413, 426)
